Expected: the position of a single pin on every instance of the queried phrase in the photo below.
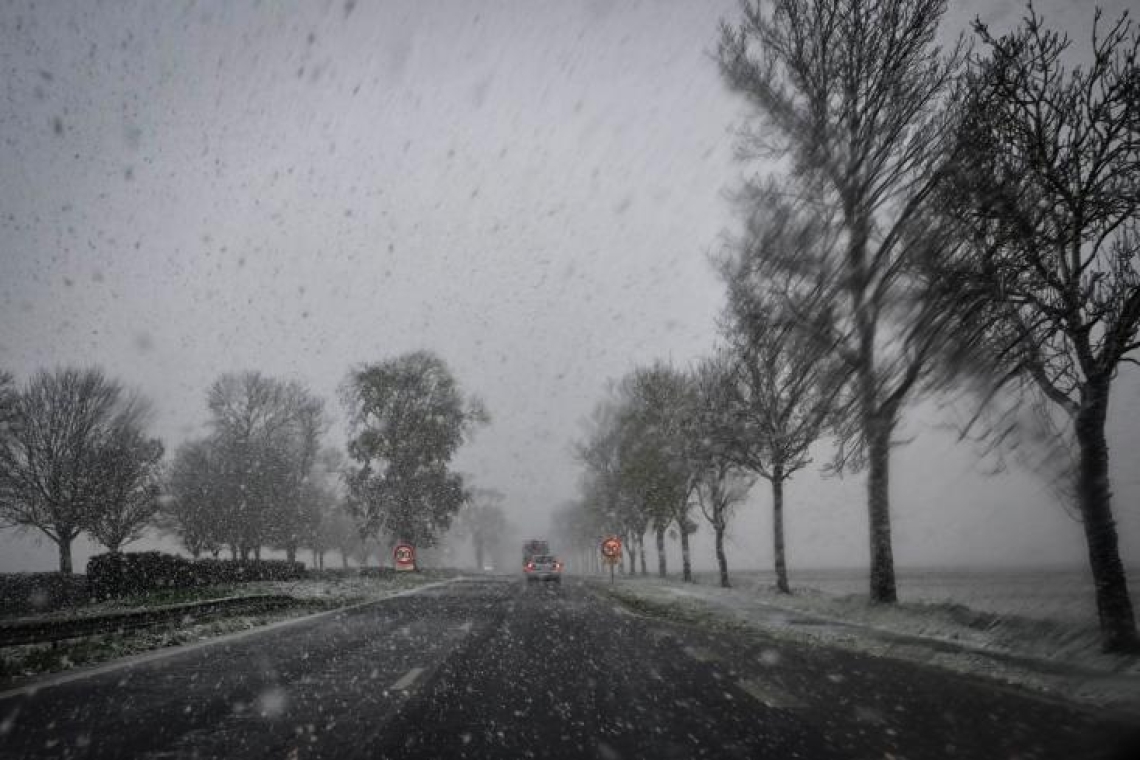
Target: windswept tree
(852, 93)
(408, 418)
(782, 387)
(1048, 190)
(609, 490)
(58, 459)
(714, 436)
(656, 449)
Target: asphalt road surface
(490, 668)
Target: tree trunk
(321, 558)
(344, 559)
(641, 552)
(686, 564)
(778, 529)
(878, 431)
(478, 554)
(64, 544)
(290, 553)
(257, 552)
(1114, 607)
(661, 550)
(631, 555)
(721, 559)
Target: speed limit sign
(405, 556)
(611, 548)
(611, 553)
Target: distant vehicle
(488, 568)
(543, 567)
(534, 548)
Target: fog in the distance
(530, 190)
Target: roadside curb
(58, 679)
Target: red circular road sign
(611, 547)
(405, 555)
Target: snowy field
(1047, 594)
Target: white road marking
(466, 627)
(700, 655)
(407, 679)
(768, 696)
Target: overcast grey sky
(528, 188)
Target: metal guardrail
(46, 631)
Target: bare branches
(858, 93)
(1049, 170)
(74, 458)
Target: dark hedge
(30, 593)
(111, 575)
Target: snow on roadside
(347, 589)
(18, 663)
(1054, 656)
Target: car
(543, 567)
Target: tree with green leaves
(408, 418)
(656, 444)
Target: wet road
(492, 669)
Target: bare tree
(783, 388)
(127, 499)
(1048, 189)
(714, 435)
(265, 438)
(196, 510)
(852, 92)
(53, 462)
(483, 521)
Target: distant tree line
(958, 223)
(76, 458)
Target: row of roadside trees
(956, 222)
(76, 458)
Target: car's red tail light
(529, 566)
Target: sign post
(405, 556)
(611, 553)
